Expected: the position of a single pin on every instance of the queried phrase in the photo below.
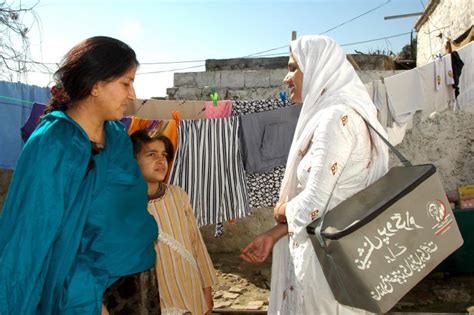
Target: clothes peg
(214, 98)
(282, 96)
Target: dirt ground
(244, 288)
(241, 286)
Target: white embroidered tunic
(327, 175)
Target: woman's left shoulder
(116, 126)
(342, 116)
(339, 110)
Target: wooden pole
(293, 35)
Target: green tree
(408, 51)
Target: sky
(162, 31)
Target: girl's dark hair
(141, 137)
(95, 59)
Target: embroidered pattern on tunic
(344, 120)
(314, 214)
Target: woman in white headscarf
(333, 155)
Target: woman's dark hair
(141, 137)
(95, 59)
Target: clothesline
(260, 189)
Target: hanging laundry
(208, 166)
(370, 89)
(138, 123)
(263, 188)
(240, 108)
(465, 98)
(448, 68)
(266, 138)
(438, 66)
(380, 100)
(437, 94)
(396, 133)
(222, 110)
(126, 121)
(405, 95)
(37, 111)
(16, 100)
(457, 64)
(219, 230)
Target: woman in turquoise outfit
(75, 218)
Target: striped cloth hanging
(208, 166)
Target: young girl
(184, 268)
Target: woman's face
(294, 80)
(153, 162)
(114, 96)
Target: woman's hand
(279, 212)
(259, 249)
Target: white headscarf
(325, 68)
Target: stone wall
(442, 19)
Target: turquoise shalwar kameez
(73, 222)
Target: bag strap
(400, 156)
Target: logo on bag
(437, 211)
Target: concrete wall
(243, 84)
(257, 78)
(230, 84)
(450, 18)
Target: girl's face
(153, 162)
(294, 80)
